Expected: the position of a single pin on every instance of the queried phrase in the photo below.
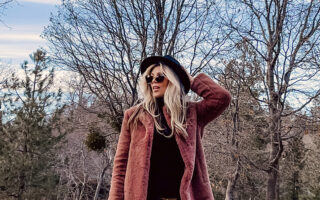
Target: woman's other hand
(189, 75)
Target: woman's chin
(155, 95)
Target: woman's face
(158, 89)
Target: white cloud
(55, 2)
(14, 53)
(18, 42)
(21, 37)
(19, 51)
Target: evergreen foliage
(29, 136)
(95, 141)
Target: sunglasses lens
(149, 79)
(159, 79)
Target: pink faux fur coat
(132, 160)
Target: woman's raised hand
(190, 77)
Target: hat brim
(182, 75)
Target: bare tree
(285, 34)
(105, 41)
(84, 174)
(239, 73)
(234, 137)
(4, 3)
(310, 176)
(3, 6)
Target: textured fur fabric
(132, 160)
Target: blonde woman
(159, 153)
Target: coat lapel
(186, 150)
(147, 120)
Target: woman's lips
(155, 88)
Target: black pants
(163, 198)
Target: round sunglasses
(159, 78)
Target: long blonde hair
(174, 98)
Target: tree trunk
(275, 153)
(295, 189)
(272, 188)
(21, 185)
(232, 180)
(96, 195)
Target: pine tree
(29, 133)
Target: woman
(159, 153)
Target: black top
(166, 164)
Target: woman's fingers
(189, 75)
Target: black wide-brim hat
(172, 64)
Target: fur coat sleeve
(120, 161)
(215, 99)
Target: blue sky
(23, 23)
